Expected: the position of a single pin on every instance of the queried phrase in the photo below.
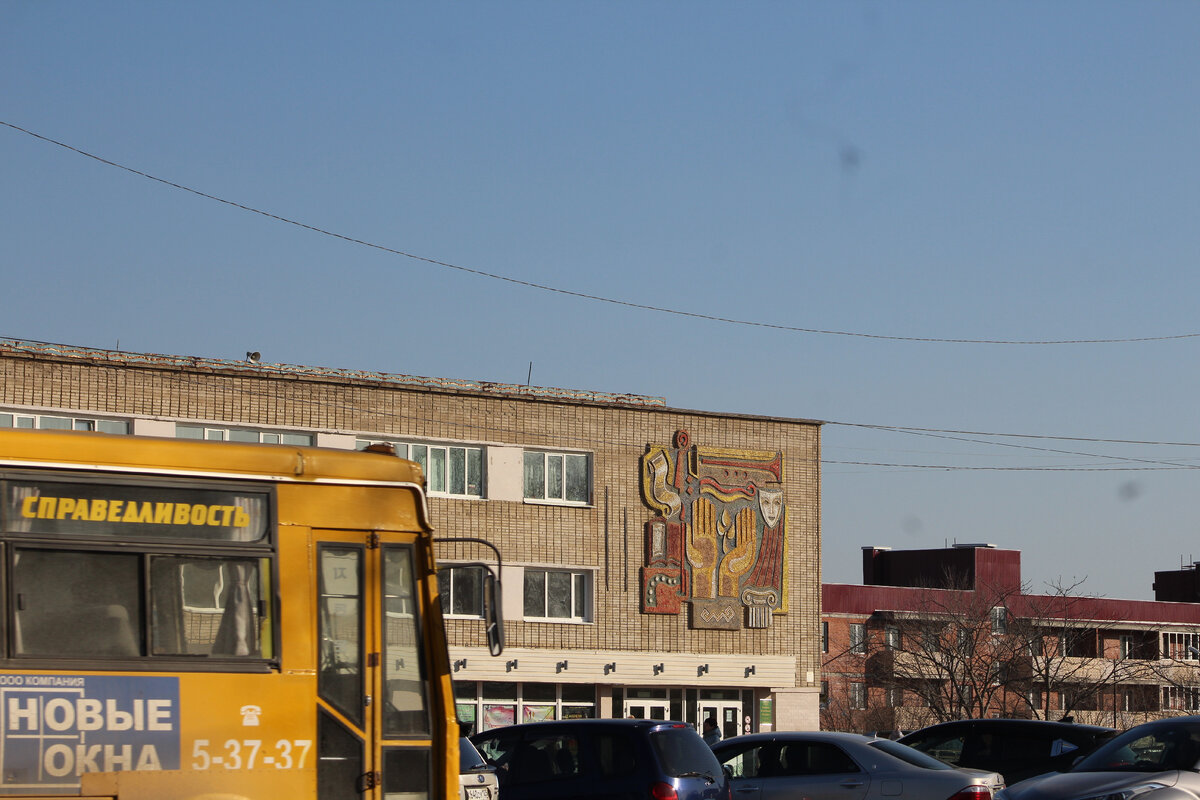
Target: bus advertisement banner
(56, 727)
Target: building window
(858, 638)
(557, 477)
(55, 423)
(1126, 647)
(1181, 698)
(461, 590)
(824, 637)
(1035, 699)
(999, 620)
(1181, 646)
(488, 705)
(249, 435)
(557, 594)
(451, 470)
(858, 695)
(824, 694)
(892, 637)
(895, 698)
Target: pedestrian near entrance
(712, 734)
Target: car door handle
(851, 784)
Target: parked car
(476, 778)
(1016, 748)
(792, 764)
(1153, 761)
(594, 758)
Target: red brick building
(951, 633)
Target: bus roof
(159, 456)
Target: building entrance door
(728, 714)
(646, 704)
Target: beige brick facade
(768, 675)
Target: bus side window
(207, 606)
(76, 603)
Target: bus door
(371, 678)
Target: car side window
(736, 762)
(756, 762)
(818, 758)
(614, 755)
(547, 758)
(499, 751)
(1022, 747)
(943, 748)
(1060, 747)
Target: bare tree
(1060, 653)
(948, 652)
(964, 651)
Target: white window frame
(858, 695)
(25, 421)
(438, 473)
(213, 433)
(449, 590)
(580, 604)
(892, 637)
(549, 493)
(858, 638)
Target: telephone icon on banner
(250, 715)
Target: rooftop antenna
(529, 377)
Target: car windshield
(909, 755)
(683, 753)
(1150, 749)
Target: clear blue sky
(940, 170)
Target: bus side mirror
(493, 620)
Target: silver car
(1153, 761)
(476, 778)
(846, 766)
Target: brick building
(658, 562)
(952, 633)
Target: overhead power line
(583, 295)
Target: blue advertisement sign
(54, 728)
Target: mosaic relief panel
(718, 540)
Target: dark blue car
(630, 759)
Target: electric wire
(486, 432)
(583, 295)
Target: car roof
(815, 736)
(1168, 722)
(647, 724)
(1015, 724)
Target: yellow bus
(188, 620)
